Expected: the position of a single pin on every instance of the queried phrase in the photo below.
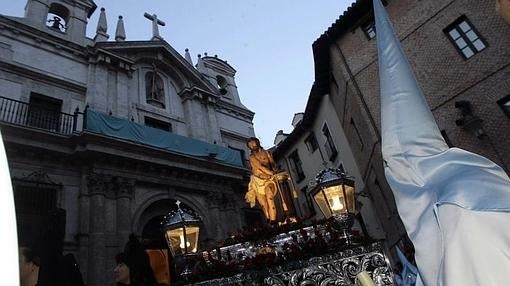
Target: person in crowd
(29, 265)
(503, 8)
(133, 266)
(122, 273)
(69, 271)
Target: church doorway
(154, 240)
(155, 245)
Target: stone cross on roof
(155, 23)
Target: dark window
(44, 112)
(504, 103)
(243, 155)
(446, 138)
(297, 165)
(369, 29)
(465, 38)
(34, 203)
(329, 145)
(34, 200)
(222, 84)
(309, 203)
(311, 143)
(154, 123)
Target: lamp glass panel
(321, 201)
(336, 199)
(192, 238)
(351, 200)
(173, 239)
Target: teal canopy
(131, 131)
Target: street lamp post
(182, 229)
(334, 194)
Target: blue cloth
(127, 130)
(409, 271)
(424, 175)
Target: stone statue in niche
(154, 88)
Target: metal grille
(24, 114)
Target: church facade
(112, 132)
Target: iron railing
(24, 114)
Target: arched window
(57, 18)
(222, 84)
(154, 89)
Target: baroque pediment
(165, 57)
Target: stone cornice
(221, 200)
(97, 55)
(236, 110)
(235, 135)
(196, 93)
(116, 147)
(90, 145)
(219, 65)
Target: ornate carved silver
(330, 174)
(336, 269)
(339, 268)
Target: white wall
(313, 163)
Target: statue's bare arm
(257, 168)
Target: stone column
(110, 235)
(229, 214)
(235, 211)
(124, 196)
(97, 95)
(97, 185)
(214, 213)
(122, 95)
(84, 205)
(213, 129)
(194, 113)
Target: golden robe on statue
(258, 186)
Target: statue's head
(503, 9)
(253, 143)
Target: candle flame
(336, 204)
(181, 245)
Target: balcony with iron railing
(21, 113)
(33, 116)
